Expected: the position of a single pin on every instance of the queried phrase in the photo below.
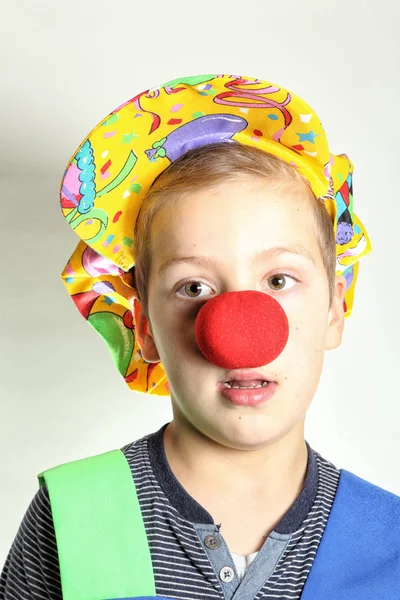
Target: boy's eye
(279, 279)
(276, 283)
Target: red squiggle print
(156, 118)
(154, 94)
(259, 101)
(170, 90)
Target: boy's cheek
(306, 340)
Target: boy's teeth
(246, 384)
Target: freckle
(285, 377)
(240, 417)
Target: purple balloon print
(199, 132)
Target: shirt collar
(191, 510)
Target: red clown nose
(241, 329)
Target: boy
(212, 211)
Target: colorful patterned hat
(108, 176)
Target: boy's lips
(247, 397)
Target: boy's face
(228, 224)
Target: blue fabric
(359, 554)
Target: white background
(68, 64)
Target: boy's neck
(275, 473)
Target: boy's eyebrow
(259, 256)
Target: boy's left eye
(278, 283)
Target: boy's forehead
(208, 249)
(253, 196)
(226, 224)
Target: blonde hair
(208, 166)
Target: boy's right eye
(190, 287)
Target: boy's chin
(242, 432)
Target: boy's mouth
(245, 379)
(255, 383)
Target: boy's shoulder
(354, 486)
(361, 492)
(32, 562)
(356, 483)
(361, 537)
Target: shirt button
(212, 542)
(226, 574)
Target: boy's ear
(144, 333)
(336, 315)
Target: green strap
(101, 540)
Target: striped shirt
(186, 566)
